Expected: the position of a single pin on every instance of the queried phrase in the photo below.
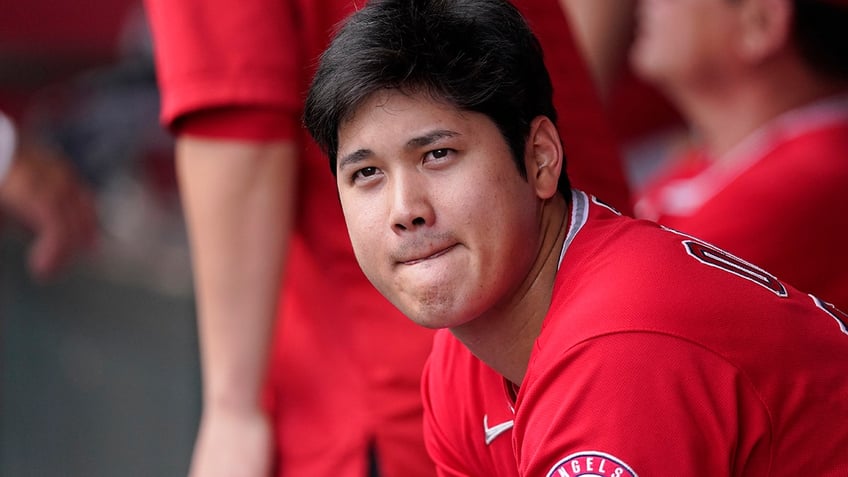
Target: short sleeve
(220, 53)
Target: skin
(239, 198)
(45, 195)
(444, 225)
(685, 40)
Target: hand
(233, 444)
(43, 193)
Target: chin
(431, 324)
(427, 318)
(430, 316)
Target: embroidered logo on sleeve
(591, 464)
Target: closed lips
(429, 255)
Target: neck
(723, 115)
(503, 337)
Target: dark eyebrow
(430, 138)
(354, 157)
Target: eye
(439, 155)
(365, 174)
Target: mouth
(428, 256)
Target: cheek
(362, 228)
(506, 220)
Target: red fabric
(638, 110)
(63, 28)
(206, 59)
(772, 200)
(654, 363)
(462, 398)
(248, 123)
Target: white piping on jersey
(686, 196)
(579, 215)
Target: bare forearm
(239, 203)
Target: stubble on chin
(431, 307)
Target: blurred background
(99, 365)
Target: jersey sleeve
(204, 59)
(639, 403)
(240, 123)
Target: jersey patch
(591, 464)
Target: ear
(543, 157)
(766, 28)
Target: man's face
(441, 221)
(683, 42)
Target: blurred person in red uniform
(574, 341)
(271, 251)
(40, 191)
(647, 126)
(763, 85)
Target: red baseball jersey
(660, 355)
(771, 200)
(345, 370)
(468, 413)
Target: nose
(411, 205)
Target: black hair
(477, 55)
(820, 30)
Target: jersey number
(718, 258)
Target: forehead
(394, 102)
(392, 115)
